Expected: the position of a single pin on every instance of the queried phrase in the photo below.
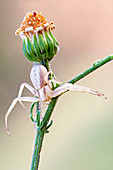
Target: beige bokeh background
(81, 137)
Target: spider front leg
(68, 86)
(20, 99)
(30, 88)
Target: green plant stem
(91, 69)
(37, 148)
(42, 130)
(40, 135)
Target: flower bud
(39, 44)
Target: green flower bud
(39, 44)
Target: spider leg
(68, 86)
(20, 99)
(30, 88)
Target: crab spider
(42, 90)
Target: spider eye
(49, 76)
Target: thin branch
(40, 135)
(95, 66)
(37, 149)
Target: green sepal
(50, 43)
(30, 49)
(36, 47)
(25, 51)
(54, 39)
(42, 49)
(42, 45)
(55, 51)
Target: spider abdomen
(37, 75)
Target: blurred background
(81, 137)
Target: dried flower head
(39, 44)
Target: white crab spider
(42, 90)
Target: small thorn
(49, 125)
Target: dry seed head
(33, 23)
